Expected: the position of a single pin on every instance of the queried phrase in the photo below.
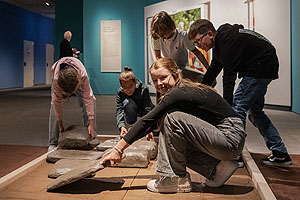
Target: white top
(175, 47)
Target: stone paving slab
(73, 155)
(75, 137)
(76, 174)
(135, 158)
(148, 145)
(63, 166)
(108, 144)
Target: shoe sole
(284, 165)
(171, 189)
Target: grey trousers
(53, 125)
(187, 141)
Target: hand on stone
(123, 132)
(113, 156)
(91, 131)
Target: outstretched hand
(113, 156)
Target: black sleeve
(212, 72)
(232, 58)
(147, 100)
(65, 49)
(148, 122)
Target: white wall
(272, 19)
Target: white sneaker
(171, 184)
(52, 147)
(224, 170)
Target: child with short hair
(174, 44)
(253, 58)
(133, 100)
(70, 78)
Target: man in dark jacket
(65, 47)
(253, 58)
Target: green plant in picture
(186, 17)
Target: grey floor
(24, 117)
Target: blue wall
(295, 45)
(131, 14)
(69, 19)
(18, 25)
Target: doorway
(28, 63)
(49, 62)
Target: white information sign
(110, 35)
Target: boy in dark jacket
(253, 58)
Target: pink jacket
(84, 85)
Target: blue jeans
(250, 98)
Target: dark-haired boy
(253, 58)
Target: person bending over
(70, 78)
(253, 58)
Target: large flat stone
(75, 137)
(73, 155)
(148, 145)
(75, 175)
(107, 144)
(135, 158)
(63, 166)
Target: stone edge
(258, 179)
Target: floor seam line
(131, 183)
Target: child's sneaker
(277, 159)
(52, 147)
(171, 184)
(224, 170)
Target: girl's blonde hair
(127, 75)
(161, 23)
(172, 67)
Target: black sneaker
(277, 159)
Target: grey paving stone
(75, 137)
(148, 145)
(63, 166)
(107, 144)
(135, 158)
(75, 175)
(73, 155)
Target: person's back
(255, 55)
